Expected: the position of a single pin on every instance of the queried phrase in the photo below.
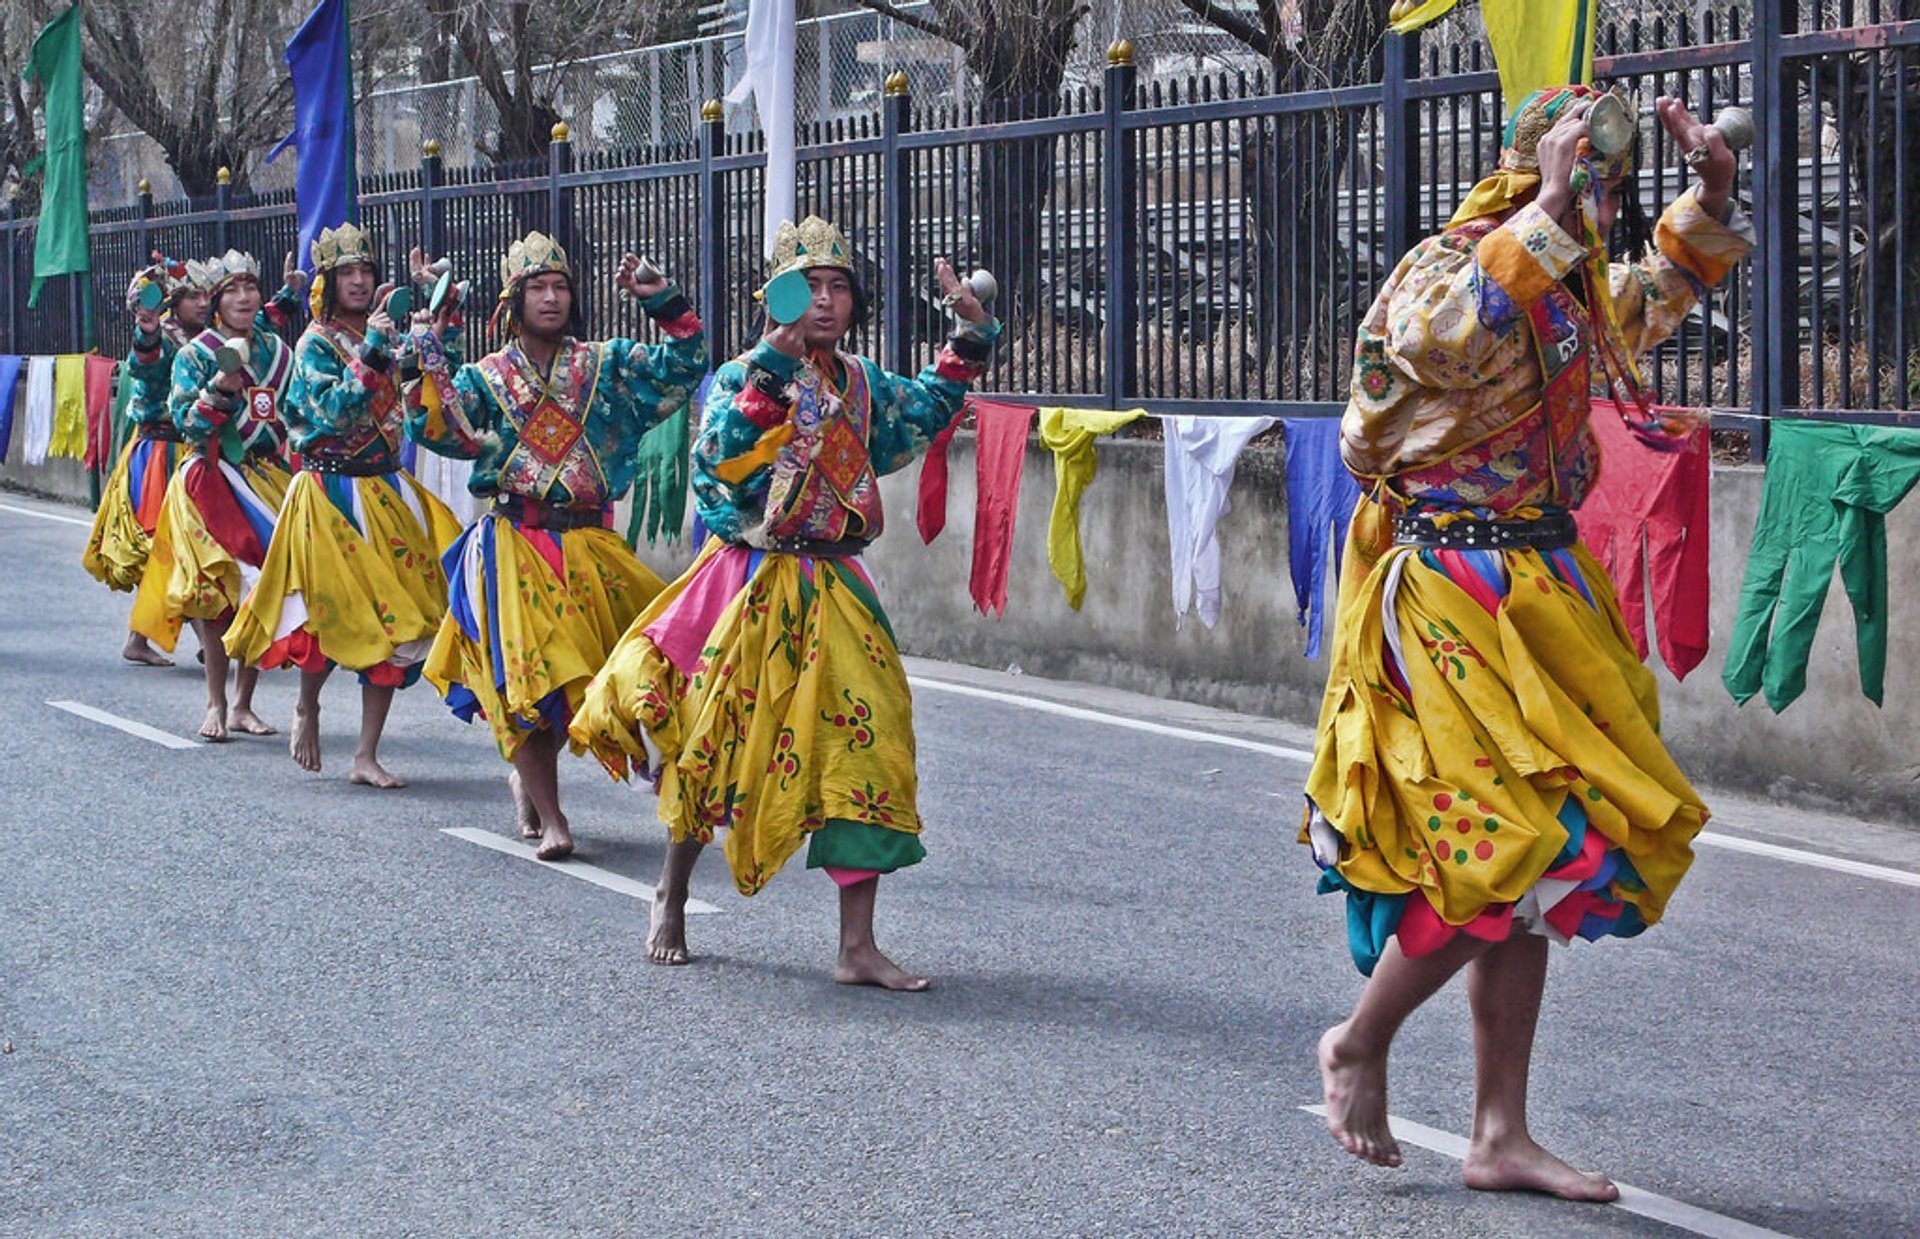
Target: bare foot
(137, 650)
(556, 841)
(214, 729)
(868, 966)
(1355, 1087)
(247, 723)
(1520, 1165)
(369, 773)
(667, 933)
(304, 742)
(523, 810)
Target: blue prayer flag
(9, 382)
(322, 67)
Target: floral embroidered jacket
(1446, 404)
(569, 437)
(787, 453)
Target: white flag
(769, 79)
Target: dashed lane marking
(153, 734)
(570, 867)
(1677, 1213)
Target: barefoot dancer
(117, 548)
(1489, 744)
(541, 587)
(218, 514)
(353, 575)
(762, 690)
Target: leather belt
(1551, 532)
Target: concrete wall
(1832, 748)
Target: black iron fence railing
(1206, 247)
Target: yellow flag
(1539, 44)
(1407, 16)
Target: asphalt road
(237, 999)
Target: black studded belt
(532, 514)
(1551, 532)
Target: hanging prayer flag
(60, 241)
(320, 61)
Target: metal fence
(1204, 246)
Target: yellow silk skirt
(765, 694)
(532, 616)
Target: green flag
(61, 244)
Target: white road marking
(1676, 1213)
(1732, 843)
(46, 516)
(165, 739)
(1112, 720)
(1839, 864)
(572, 868)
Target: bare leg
(304, 742)
(1353, 1055)
(1504, 987)
(667, 932)
(537, 764)
(526, 816)
(861, 962)
(241, 717)
(367, 771)
(139, 650)
(214, 727)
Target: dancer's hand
(629, 281)
(787, 337)
(1704, 149)
(378, 319)
(957, 295)
(146, 322)
(1560, 151)
(291, 275)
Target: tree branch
(1261, 39)
(922, 24)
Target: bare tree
(1294, 165)
(203, 79)
(1017, 50)
(503, 42)
(19, 143)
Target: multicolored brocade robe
(344, 404)
(745, 486)
(247, 423)
(571, 437)
(1489, 743)
(1447, 375)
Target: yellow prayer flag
(1539, 44)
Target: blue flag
(9, 380)
(322, 69)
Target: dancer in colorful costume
(353, 575)
(229, 388)
(1490, 774)
(122, 534)
(540, 586)
(762, 690)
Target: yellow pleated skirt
(532, 616)
(353, 578)
(215, 524)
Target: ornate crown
(338, 246)
(229, 267)
(198, 276)
(813, 242)
(536, 255)
(1538, 112)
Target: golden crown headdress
(336, 247)
(537, 254)
(812, 242)
(200, 276)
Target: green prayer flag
(60, 246)
(660, 489)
